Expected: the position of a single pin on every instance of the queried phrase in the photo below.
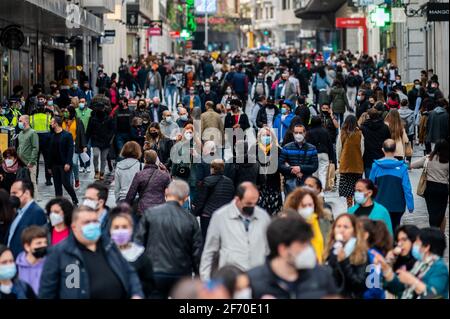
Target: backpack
(260, 88)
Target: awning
(47, 17)
(315, 9)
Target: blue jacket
(77, 92)
(320, 83)
(281, 127)
(34, 215)
(197, 102)
(294, 155)
(65, 263)
(436, 280)
(379, 212)
(240, 83)
(394, 187)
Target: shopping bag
(331, 174)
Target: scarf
(265, 148)
(419, 270)
(12, 169)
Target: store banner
(437, 11)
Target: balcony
(99, 6)
(316, 9)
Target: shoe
(82, 170)
(77, 184)
(88, 170)
(48, 183)
(102, 176)
(97, 176)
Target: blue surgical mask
(75, 86)
(50, 103)
(360, 198)
(416, 252)
(283, 110)
(7, 271)
(91, 231)
(350, 247)
(21, 126)
(81, 105)
(266, 139)
(184, 117)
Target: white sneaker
(82, 170)
(88, 170)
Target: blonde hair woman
(398, 133)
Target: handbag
(182, 171)
(408, 149)
(331, 175)
(422, 185)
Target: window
(267, 12)
(271, 12)
(284, 4)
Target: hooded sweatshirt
(394, 187)
(125, 171)
(375, 132)
(31, 274)
(437, 125)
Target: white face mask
(90, 203)
(245, 293)
(306, 259)
(9, 162)
(299, 138)
(6, 289)
(306, 212)
(188, 136)
(56, 219)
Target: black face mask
(270, 106)
(40, 252)
(248, 210)
(154, 134)
(14, 201)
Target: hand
(136, 297)
(379, 260)
(49, 171)
(341, 254)
(1, 178)
(295, 170)
(236, 126)
(66, 168)
(406, 277)
(30, 166)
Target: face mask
(306, 212)
(91, 231)
(360, 198)
(91, 203)
(75, 86)
(81, 105)
(283, 110)
(416, 252)
(66, 115)
(9, 162)
(50, 103)
(184, 117)
(248, 210)
(417, 86)
(245, 293)
(207, 88)
(21, 126)
(398, 81)
(188, 136)
(56, 219)
(350, 247)
(266, 140)
(39, 252)
(121, 236)
(6, 289)
(228, 91)
(306, 259)
(58, 95)
(154, 134)
(7, 271)
(359, 98)
(299, 138)
(169, 119)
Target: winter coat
(407, 116)
(375, 132)
(172, 239)
(437, 125)
(261, 118)
(339, 100)
(67, 254)
(281, 126)
(100, 131)
(394, 187)
(379, 212)
(150, 178)
(319, 137)
(215, 192)
(294, 154)
(124, 175)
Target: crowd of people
(220, 163)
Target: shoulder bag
(422, 185)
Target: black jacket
(350, 279)
(144, 269)
(268, 173)
(61, 264)
(172, 238)
(261, 118)
(242, 172)
(100, 131)
(361, 107)
(243, 121)
(304, 114)
(215, 192)
(211, 96)
(375, 132)
(319, 137)
(312, 283)
(65, 147)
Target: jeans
(75, 167)
(204, 223)
(44, 141)
(340, 118)
(171, 97)
(62, 178)
(164, 283)
(322, 171)
(121, 139)
(396, 217)
(152, 92)
(102, 154)
(367, 172)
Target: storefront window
(4, 72)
